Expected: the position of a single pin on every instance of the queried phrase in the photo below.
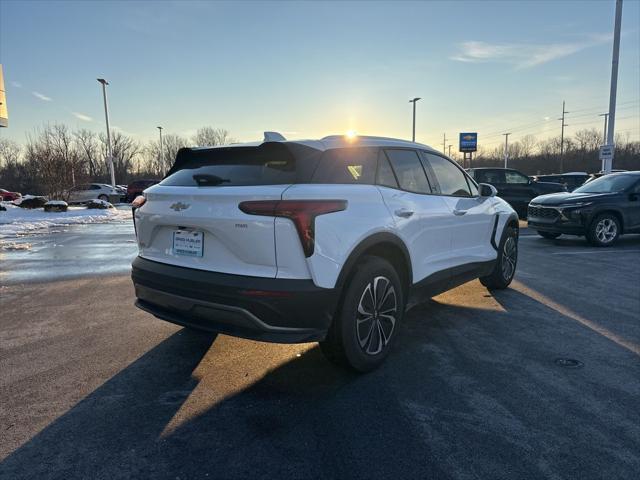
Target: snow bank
(18, 221)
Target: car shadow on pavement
(467, 392)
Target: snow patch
(18, 221)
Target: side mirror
(487, 190)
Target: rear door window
(489, 176)
(268, 164)
(385, 176)
(347, 165)
(408, 170)
(516, 178)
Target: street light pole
(608, 164)
(161, 155)
(450, 150)
(106, 117)
(413, 135)
(506, 148)
(604, 137)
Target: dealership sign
(468, 142)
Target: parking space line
(546, 301)
(579, 252)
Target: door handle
(459, 212)
(404, 213)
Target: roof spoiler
(273, 137)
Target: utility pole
(564, 112)
(604, 137)
(106, 117)
(161, 154)
(444, 143)
(506, 148)
(608, 164)
(413, 135)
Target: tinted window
(608, 184)
(451, 179)
(385, 176)
(515, 177)
(271, 163)
(489, 176)
(408, 169)
(347, 165)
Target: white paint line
(580, 252)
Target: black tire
(604, 230)
(363, 342)
(505, 267)
(549, 235)
(103, 197)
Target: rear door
(473, 216)
(518, 191)
(423, 220)
(198, 203)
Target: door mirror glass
(487, 190)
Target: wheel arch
(384, 245)
(612, 211)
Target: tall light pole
(604, 137)
(413, 135)
(161, 155)
(444, 143)
(506, 148)
(564, 112)
(106, 117)
(608, 164)
(450, 150)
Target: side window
(636, 189)
(94, 187)
(385, 176)
(451, 179)
(490, 176)
(515, 178)
(473, 187)
(347, 165)
(408, 169)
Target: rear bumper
(266, 309)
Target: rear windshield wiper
(203, 179)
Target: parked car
(602, 209)
(514, 187)
(7, 196)
(322, 240)
(90, 191)
(136, 188)
(571, 180)
(599, 174)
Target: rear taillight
(301, 212)
(136, 204)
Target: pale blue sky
(313, 69)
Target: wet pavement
(67, 252)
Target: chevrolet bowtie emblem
(179, 206)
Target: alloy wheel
(509, 258)
(606, 230)
(376, 316)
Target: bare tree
(10, 152)
(210, 137)
(89, 151)
(125, 153)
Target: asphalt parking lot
(478, 385)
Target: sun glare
(351, 134)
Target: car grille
(536, 211)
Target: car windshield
(608, 184)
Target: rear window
(347, 165)
(268, 164)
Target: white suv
(319, 240)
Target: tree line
(578, 153)
(55, 158)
